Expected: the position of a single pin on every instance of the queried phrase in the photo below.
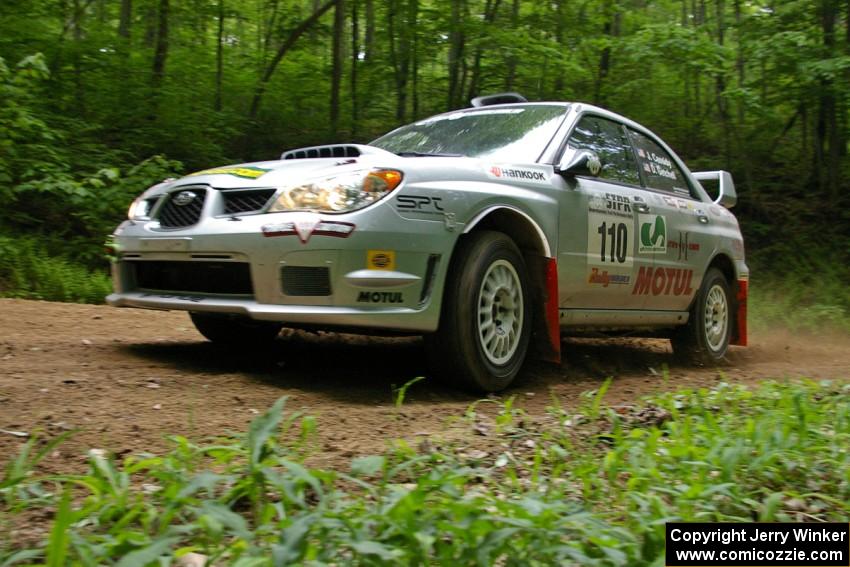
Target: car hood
(296, 168)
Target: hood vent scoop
(336, 151)
(331, 151)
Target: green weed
(592, 490)
(28, 271)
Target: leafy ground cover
(594, 486)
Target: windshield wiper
(425, 154)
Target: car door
(597, 263)
(673, 232)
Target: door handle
(641, 207)
(702, 217)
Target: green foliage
(763, 91)
(579, 490)
(28, 271)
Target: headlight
(141, 208)
(340, 193)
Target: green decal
(653, 234)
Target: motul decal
(380, 297)
(663, 281)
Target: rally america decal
(246, 172)
(513, 173)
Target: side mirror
(580, 162)
(726, 195)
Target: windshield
(518, 133)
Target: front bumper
(387, 274)
(394, 318)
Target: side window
(659, 169)
(608, 140)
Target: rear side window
(658, 168)
(608, 140)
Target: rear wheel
(486, 319)
(705, 338)
(235, 330)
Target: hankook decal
(512, 173)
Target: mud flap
(546, 331)
(739, 333)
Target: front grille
(237, 202)
(194, 277)
(175, 215)
(306, 280)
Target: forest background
(101, 98)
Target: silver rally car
(491, 231)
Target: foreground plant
(592, 487)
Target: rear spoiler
(726, 195)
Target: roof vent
(330, 151)
(498, 98)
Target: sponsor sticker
(605, 279)
(380, 259)
(652, 234)
(611, 204)
(513, 173)
(247, 172)
(663, 281)
(306, 225)
(380, 297)
(422, 204)
(683, 245)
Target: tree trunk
(161, 46)
(455, 61)
(262, 84)
(219, 57)
(336, 70)
(125, 20)
(369, 40)
(560, 6)
(827, 135)
(490, 9)
(611, 29)
(510, 76)
(355, 58)
(399, 58)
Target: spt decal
(653, 234)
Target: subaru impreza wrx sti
(491, 231)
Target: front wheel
(486, 319)
(234, 330)
(705, 338)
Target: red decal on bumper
(740, 335)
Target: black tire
(704, 340)
(234, 330)
(462, 352)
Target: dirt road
(127, 378)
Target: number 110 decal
(609, 241)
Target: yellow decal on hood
(249, 172)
